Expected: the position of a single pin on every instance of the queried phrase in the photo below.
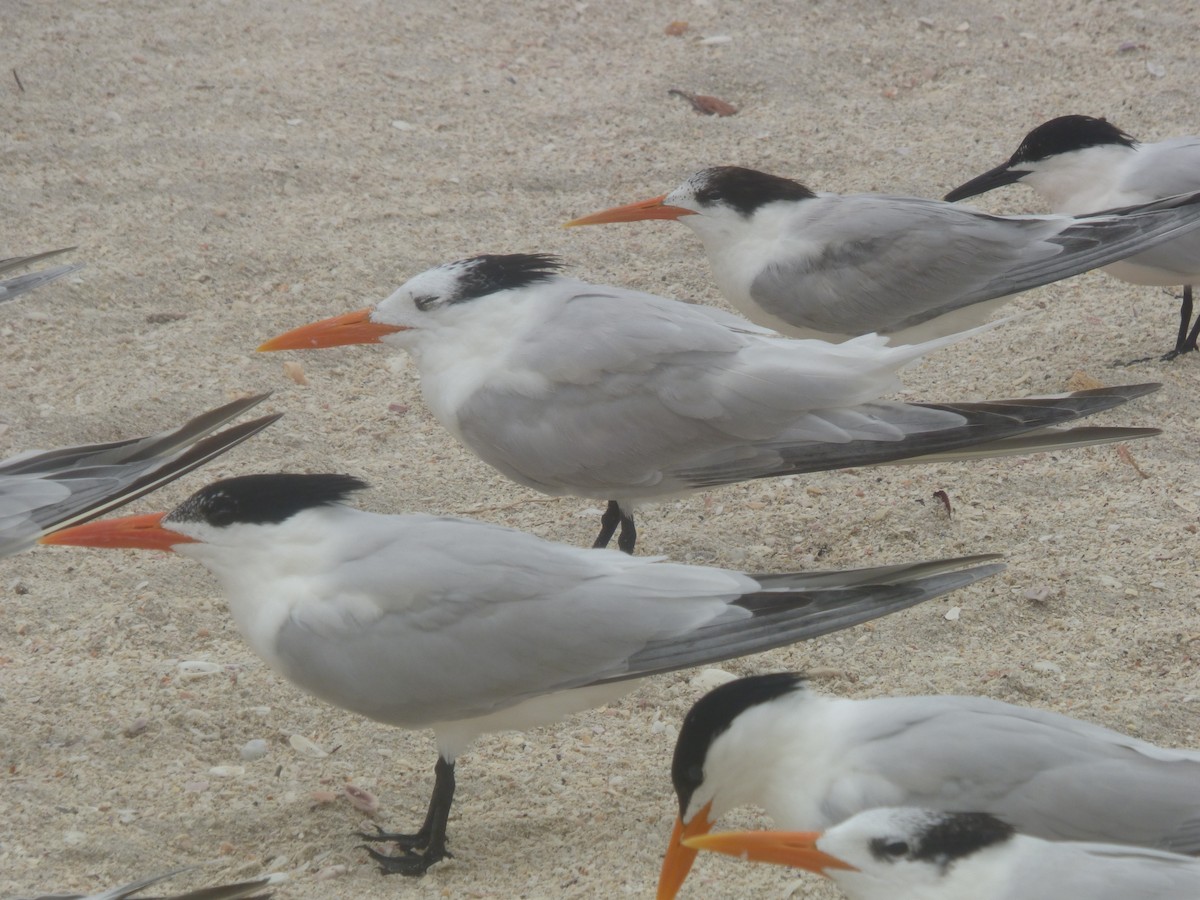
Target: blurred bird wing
(41, 491)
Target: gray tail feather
(11, 287)
(1039, 442)
(991, 428)
(781, 617)
(15, 262)
(827, 578)
(242, 890)
(133, 449)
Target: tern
(832, 266)
(44, 490)
(812, 761)
(600, 392)
(467, 628)
(19, 284)
(909, 853)
(1079, 164)
(242, 890)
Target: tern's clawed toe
(409, 862)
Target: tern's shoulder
(1006, 721)
(456, 549)
(1100, 872)
(599, 325)
(1165, 168)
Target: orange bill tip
(654, 208)
(679, 856)
(784, 848)
(143, 532)
(338, 331)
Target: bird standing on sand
(834, 266)
(595, 391)
(467, 628)
(1079, 164)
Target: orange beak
(352, 328)
(654, 208)
(784, 848)
(679, 858)
(129, 532)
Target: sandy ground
(230, 170)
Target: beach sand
(231, 170)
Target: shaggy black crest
(1067, 133)
(263, 499)
(711, 717)
(746, 190)
(946, 839)
(483, 275)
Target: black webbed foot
(423, 848)
(408, 862)
(404, 841)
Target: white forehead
(891, 822)
(690, 187)
(440, 281)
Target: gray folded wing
(1048, 775)
(891, 263)
(550, 617)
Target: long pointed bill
(130, 532)
(679, 858)
(784, 848)
(654, 208)
(990, 180)
(351, 328)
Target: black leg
(421, 850)
(628, 536)
(1189, 343)
(1181, 341)
(608, 525)
(1185, 340)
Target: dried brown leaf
(676, 28)
(1127, 457)
(1082, 381)
(945, 498)
(705, 104)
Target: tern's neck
(473, 347)
(740, 247)
(778, 757)
(1084, 180)
(266, 573)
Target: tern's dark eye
(425, 301)
(695, 774)
(881, 848)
